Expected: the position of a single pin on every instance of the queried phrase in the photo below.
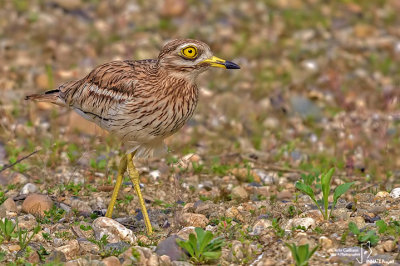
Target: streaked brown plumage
(142, 102)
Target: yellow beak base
(218, 62)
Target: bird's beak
(218, 62)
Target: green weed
(364, 237)
(301, 254)
(202, 248)
(325, 184)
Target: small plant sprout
(301, 254)
(6, 229)
(364, 237)
(325, 184)
(23, 236)
(202, 248)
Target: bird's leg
(121, 171)
(134, 175)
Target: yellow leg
(121, 171)
(134, 175)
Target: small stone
(10, 205)
(185, 232)
(170, 248)
(261, 226)
(86, 246)
(81, 206)
(27, 222)
(315, 214)
(389, 245)
(116, 232)
(132, 256)
(164, 260)
(29, 188)
(70, 250)
(18, 178)
(237, 251)
(233, 212)
(284, 195)
(194, 219)
(111, 261)
(34, 258)
(395, 193)
(305, 222)
(37, 204)
(382, 194)
(239, 193)
(56, 256)
(245, 175)
(358, 220)
(13, 248)
(364, 197)
(325, 242)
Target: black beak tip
(231, 65)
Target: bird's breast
(162, 114)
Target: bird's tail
(51, 96)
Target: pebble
(382, 194)
(358, 220)
(185, 232)
(84, 262)
(365, 197)
(233, 212)
(27, 222)
(239, 193)
(116, 232)
(13, 248)
(194, 219)
(29, 188)
(70, 250)
(244, 175)
(170, 248)
(261, 226)
(389, 245)
(10, 205)
(18, 178)
(306, 222)
(111, 261)
(325, 242)
(284, 195)
(395, 193)
(37, 204)
(56, 256)
(237, 251)
(315, 214)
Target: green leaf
(303, 253)
(193, 244)
(305, 189)
(208, 236)
(212, 255)
(326, 185)
(340, 190)
(382, 226)
(186, 246)
(353, 228)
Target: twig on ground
(19, 160)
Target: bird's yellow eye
(189, 52)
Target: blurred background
(318, 87)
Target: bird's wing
(102, 91)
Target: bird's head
(190, 57)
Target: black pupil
(190, 51)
